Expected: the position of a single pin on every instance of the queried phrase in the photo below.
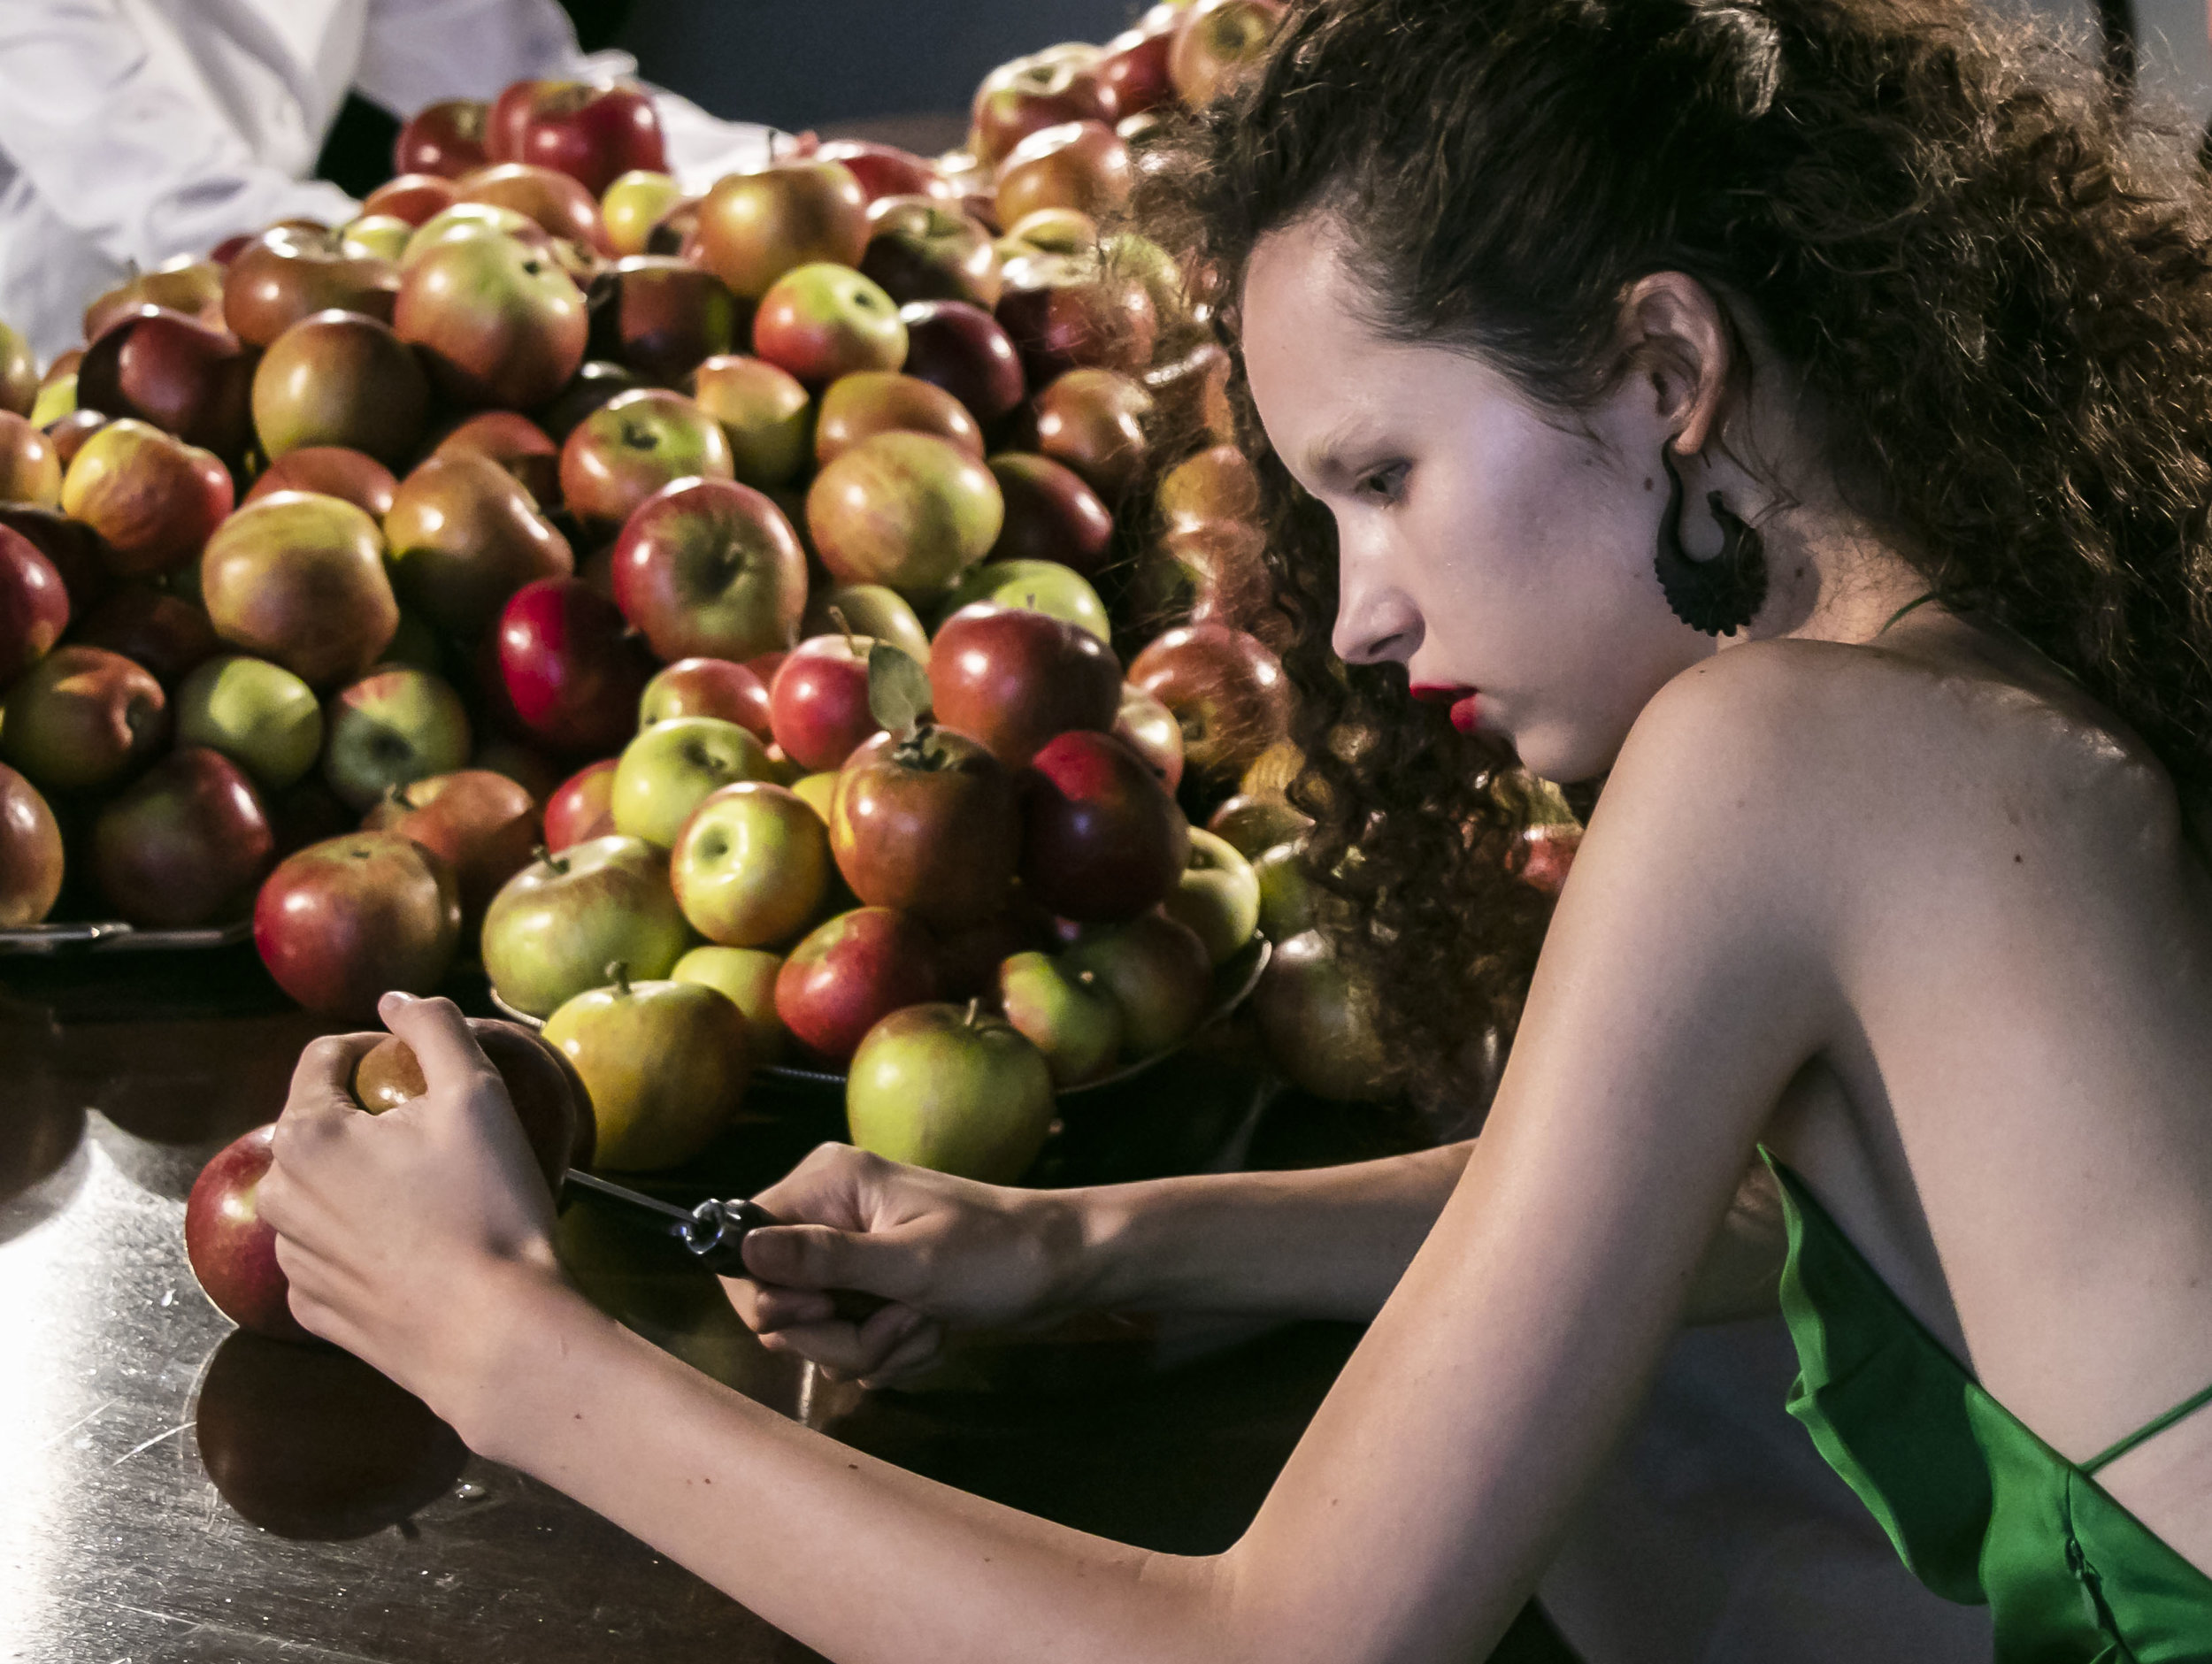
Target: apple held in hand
(556, 926)
(666, 1065)
(747, 976)
(951, 1090)
(155, 499)
(751, 865)
(1217, 897)
(1226, 690)
(711, 569)
(631, 446)
(672, 767)
(1319, 1025)
(342, 922)
(755, 228)
(823, 321)
(34, 605)
(232, 1251)
(82, 717)
(185, 845)
(581, 808)
(299, 580)
(547, 1097)
(464, 536)
(818, 703)
(1156, 972)
(1102, 837)
(928, 823)
(1068, 1016)
(30, 853)
(330, 471)
(851, 972)
(499, 322)
(766, 414)
(1013, 678)
(571, 670)
(909, 510)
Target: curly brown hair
(1990, 275)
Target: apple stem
(618, 974)
(852, 639)
(559, 863)
(975, 1012)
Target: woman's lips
(1462, 699)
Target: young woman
(1652, 364)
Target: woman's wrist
(507, 1338)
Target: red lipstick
(1458, 695)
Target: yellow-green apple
(556, 926)
(464, 535)
(342, 922)
(411, 198)
(754, 227)
(816, 791)
(661, 315)
(666, 1064)
(153, 499)
(1319, 1025)
(1012, 677)
(465, 220)
(561, 206)
(335, 472)
(1150, 729)
(747, 978)
(1222, 41)
(1253, 825)
(928, 823)
(708, 687)
(633, 204)
(633, 446)
(922, 249)
(818, 704)
(160, 631)
(948, 1088)
(751, 866)
(1156, 972)
(885, 170)
(766, 414)
(1217, 897)
(445, 139)
(595, 132)
(909, 510)
(194, 287)
(1041, 90)
(547, 1097)
(184, 845)
(850, 973)
(30, 467)
(867, 610)
(183, 376)
(516, 444)
(82, 717)
(1047, 587)
(708, 568)
(1066, 1016)
(1102, 838)
(336, 378)
(288, 273)
(1093, 421)
(1049, 231)
(821, 321)
(1226, 690)
(1051, 514)
(484, 824)
(671, 767)
(19, 374)
(30, 853)
(1074, 311)
(258, 715)
(376, 237)
(232, 1251)
(34, 605)
(1079, 164)
(571, 670)
(1216, 484)
(299, 579)
(963, 349)
(55, 413)
(870, 401)
(500, 323)
(393, 727)
(581, 808)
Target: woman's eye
(1387, 483)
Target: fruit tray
(1234, 978)
(114, 936)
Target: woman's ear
(1679, 338)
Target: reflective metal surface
(172, 1490)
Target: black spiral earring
(1723, 593)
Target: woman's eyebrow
(1325, 459)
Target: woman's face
(1481, 543)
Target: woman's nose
(1376, 624)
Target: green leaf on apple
(898, 690)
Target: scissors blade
(636, 1199)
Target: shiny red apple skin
(711, 569)
(287, 274)
(300, 578)
(921, 249)
(1102, 837)
(1093, 421)
(482, 823)
(592, 132)
(885, 170)
(662, 317)
(82, 717)
(850, 973)
(185, 845)
(1079, 164)
(340, 923)
(1227, 689)
(516, 444)
(858, 407)
(632, 446)
(964, 350)
(184, 375)
(331, 470)
(582, 806)
(1065, 312)
(31, 859)
(507, 117)
(189, 287)
(1042, 90)
(34, 605)
(413, 197)
(708, 687)
(1051, 514)
(500, 324)
(822, 320)
(1012, 679)
(154, 500)
(232, 1251)
(558, 203)
(1548, 855)
(929, 825)
(755, 228)
(74, 549)
(571, 670)
(339, 378)
(445, 139)
(819, 702)
(154, 628)
(1134, 70)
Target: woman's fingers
(822, 1257)
(766, 1308)
(845, 1350)
(439, 1036)
(323, 1077)
(912, 1355)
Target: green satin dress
(1979, 1508)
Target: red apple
(920, 249)
(871, 401)
(1068, 313)
(820, 321)
(1134, 70)
(484, 824)
(413, 197)
(755, 228)
(82, 717)
(332, 470)
(34, 605)
(516, 444)
(1042, 90)
(1051, 514)
(74, 549)
(70, 432)
(850, 973)
(30, 853)
(233, 1253)
(185, 377)
(885, 170)
(909, 510)
(444, 139)
(582, 808)
(154, 500)
(1079, 164)
(1549, 855)
(558, 203)
(929, 824)
(463, 536)
(818, 701)
(1012, 679)
(708, 687)
(336, 378)
(634, 445)
(1102, 837)
(592, 132)
(572, 672)
(299, 579)
(185, 845)
(661, 316)
(1094, 422)
(287, 274)
(963, 349)
(343, 921)
(711, 569)
(500, 323)
(154, 628)
(1226, 690)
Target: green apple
(1065, 1015)
(556, 926)
(748, 977)
(1286, 894)
(815, 791)
(766, 414)
(381, 236)
(870, 610)
(1254, 824)
(943, 1087)
(258, 715)
(1319, 1025)
(634, 205)
(1217, 897)
(461, 222)
(665, 1063)
(672, 767)
(1046, 586)
(1159, 974)
(751, 865)
(393, 727)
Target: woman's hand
(408, 1235)
(949, 1253)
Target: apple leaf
(898, 690)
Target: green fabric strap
(1902, 611)
(2151, 1429)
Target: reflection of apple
(940, 1087)
(1159, 974)
(1217, 897)
(342, 922)
(556, 926)
(30, 853)
(1068, 1017)
(665, 1063)
(751, 865)
(851, 972)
